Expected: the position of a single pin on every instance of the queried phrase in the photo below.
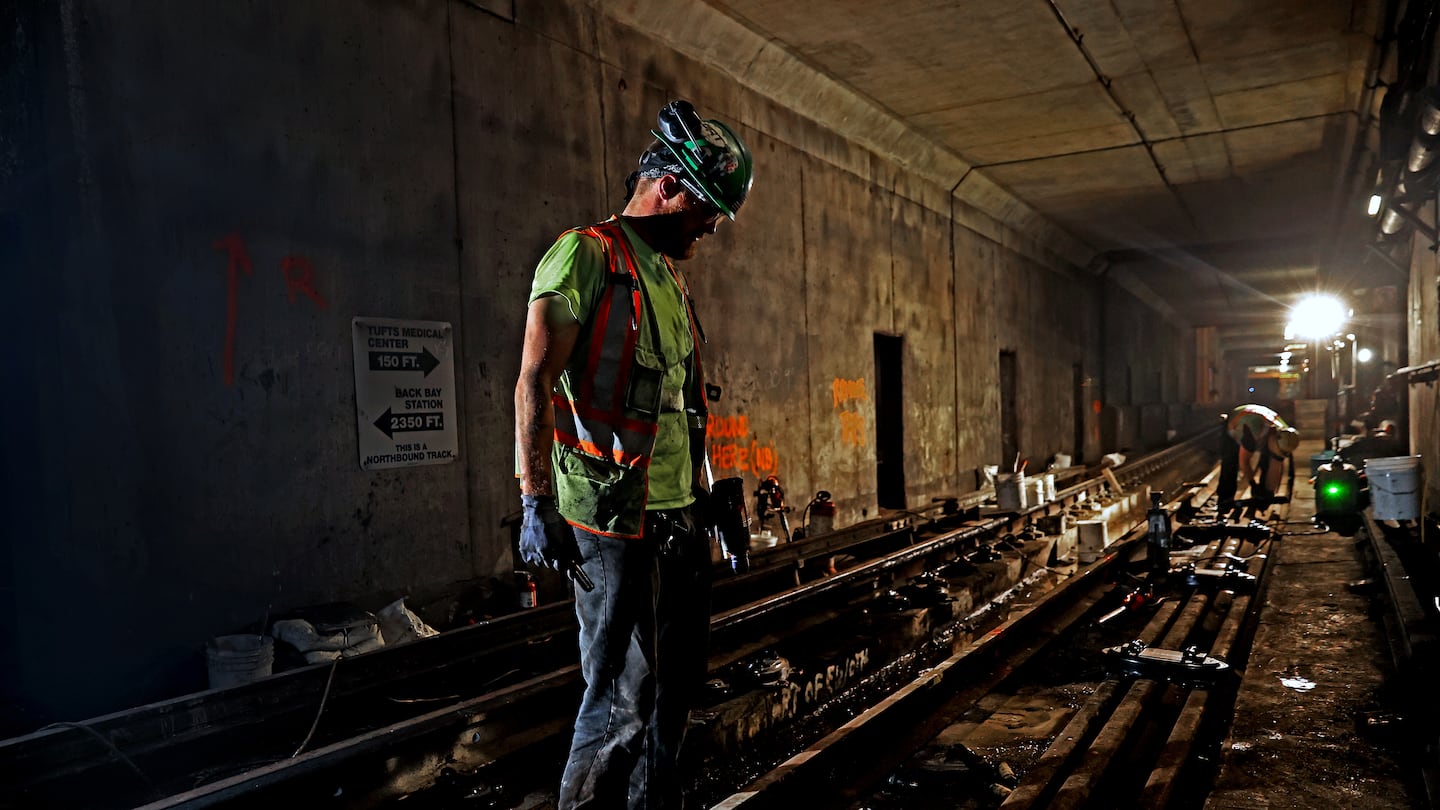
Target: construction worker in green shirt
(610, 427)
(1253, 446)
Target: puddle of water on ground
(1298, 684)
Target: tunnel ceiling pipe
(1413, 220)
(1429, 116)
(1412, 182)
(1423, 150)
(1391, 223)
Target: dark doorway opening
(1009, 416)
(889, 421)
(1078, 383)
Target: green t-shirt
(574, 268)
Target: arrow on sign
(390, 424)
(404, 361)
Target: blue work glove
(545, 538)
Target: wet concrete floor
(1317, 721)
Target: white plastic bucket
(239, 659)
(1394, 487)
(1010, 491)
(1092, 539)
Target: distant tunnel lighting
(1316, 317)
(1364, 355)
(1374, 207)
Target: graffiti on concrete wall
(731, 452)
(852, 423)
(299, 280)
(299, 275)
(239, 262)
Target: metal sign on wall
(404, 393)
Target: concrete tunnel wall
(421, 156)
(1423, 340)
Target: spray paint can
(1157, 541)
(529, 595)
(822, 515)
(732, 521)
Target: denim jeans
(644, 633)
(1227, 484)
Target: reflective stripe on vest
(1258, 418)
(596, 423)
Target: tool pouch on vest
(645, 383)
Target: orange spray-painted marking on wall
(843, 391)
(739, 456)
(852, 428)
(852, 423)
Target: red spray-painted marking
(239, 263)
(299, 278)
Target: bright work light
(1316, 317)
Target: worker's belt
(670, 529)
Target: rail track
(868, 622)
(1066, 702)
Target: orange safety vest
(605, 427)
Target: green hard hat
(714, 163)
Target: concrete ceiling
(1199, 144)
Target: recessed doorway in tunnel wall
(1077, 377)
(1009, 414)
(889, 421)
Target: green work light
(1337, 490)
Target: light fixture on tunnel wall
(1374, 207)
(1364, 355)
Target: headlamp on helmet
(713, 162)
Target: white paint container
(1394, 487)
(233, 660)
(1092, 538)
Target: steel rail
(805, 775)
